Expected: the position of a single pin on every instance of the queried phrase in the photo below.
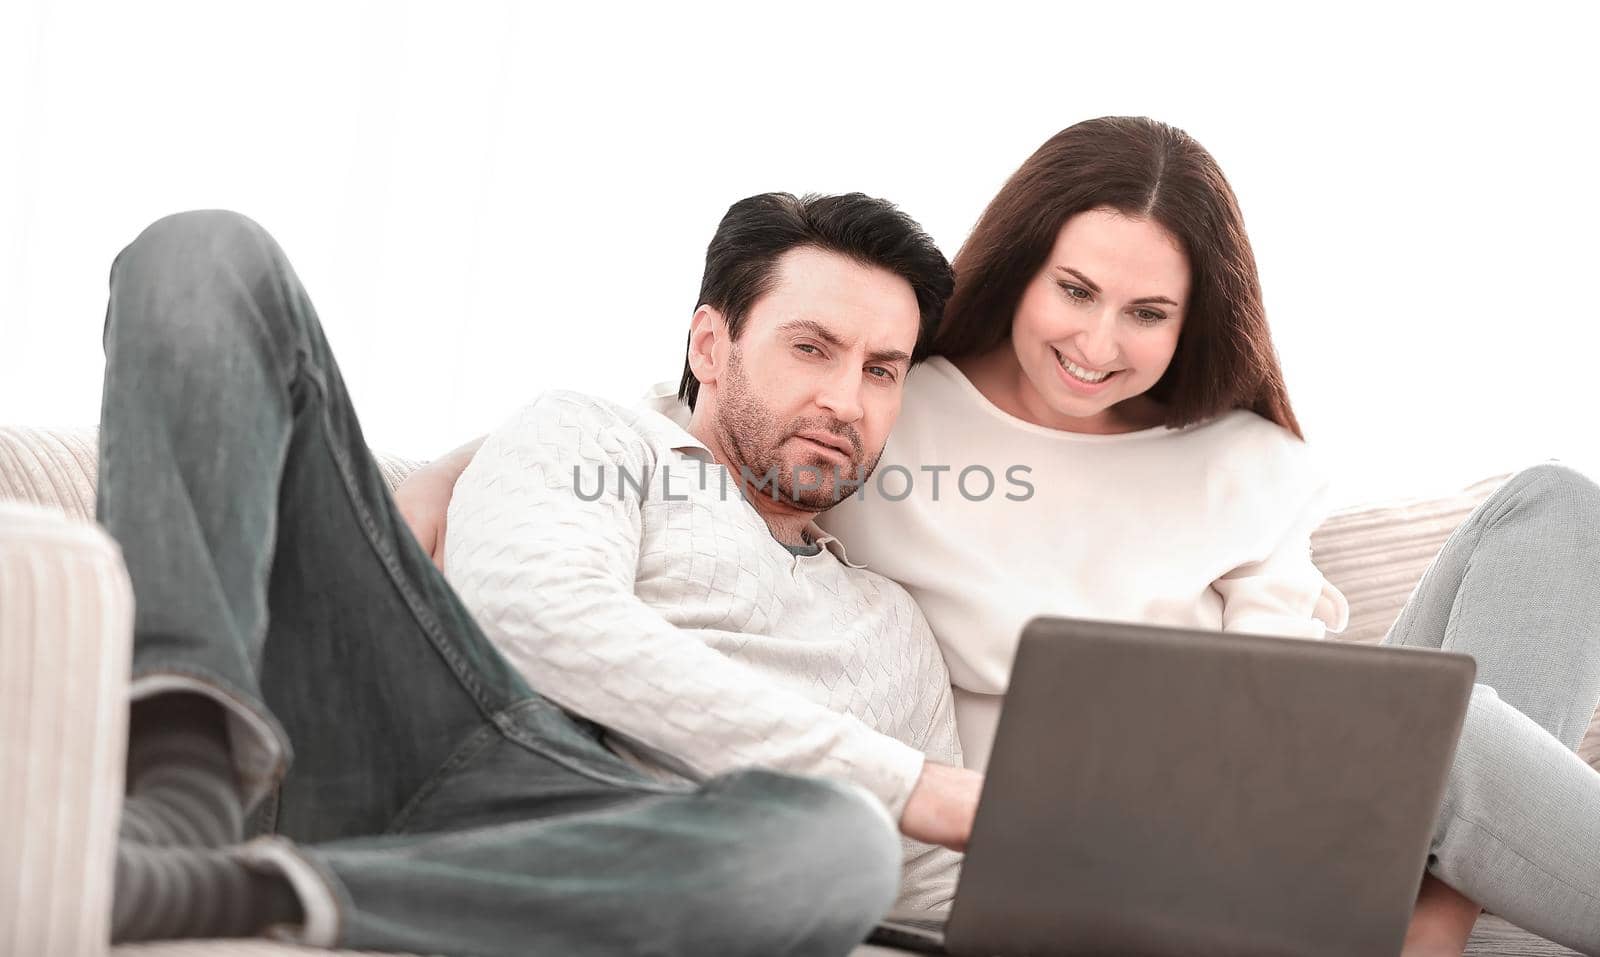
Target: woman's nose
(1098, 343)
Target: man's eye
(808, 348)
(880, 372)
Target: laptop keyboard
(920, 934)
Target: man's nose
(841, 395)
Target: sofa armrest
(66, 626)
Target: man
(297, 655)
(668, 584)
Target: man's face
(812, 387)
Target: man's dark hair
(741, 262)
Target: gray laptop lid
(1161, 791)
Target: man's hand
(424, 498)
(942, 806)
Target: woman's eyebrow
(1093, 287)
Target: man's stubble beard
(751, 433)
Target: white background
(486, 199)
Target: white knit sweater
(670, 615)
(1205, 527)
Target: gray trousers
(440, 805)
(1518, 588)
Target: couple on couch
(655, 707)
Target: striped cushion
(56, 468)
(66, 623)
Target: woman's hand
(424, 498)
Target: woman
(1105, 359)
(1106, 338)
(1107, 335)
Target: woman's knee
(1555, 489)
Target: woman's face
(1098, 325)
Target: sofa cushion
(56, 468)
(66, 622)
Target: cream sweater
(668, 613)
(1204, 527)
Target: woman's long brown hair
(1141, 168)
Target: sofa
(65, 637)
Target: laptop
(1159, 791)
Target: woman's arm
(424, 497)
(1283, 592)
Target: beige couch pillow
(56, 468)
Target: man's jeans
(434, 801)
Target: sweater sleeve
(930, 872)
(548, 568)
(1284, 593)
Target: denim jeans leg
(234, 476)
(751, 863)
(272, 571)
(1518, 588)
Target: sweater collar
(831, 544)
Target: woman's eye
(1149, 316)
(1075, 292)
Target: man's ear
(708, 344)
